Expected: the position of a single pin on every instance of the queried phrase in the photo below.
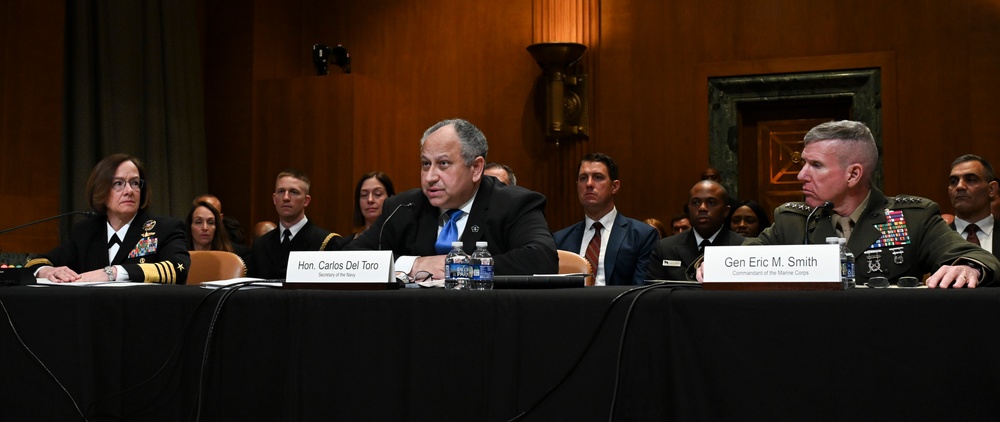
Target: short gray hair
(859, 143)
(472, 139)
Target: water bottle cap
(456, 244)
(841, 240)
(832, 240)
(481, 244)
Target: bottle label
(458, 270)
(484, 272)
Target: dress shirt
(985, 232)
(405, 263)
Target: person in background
(455, 203)
(203, 234)
(748, 219)
(673, 258)
(972, 186)
(501, 172)
(234, 233)
(269, 256)
(617, 247)
(711, 173)
(680, 223)
(661, 229)
(122, 242)
(890, 236)
(261, 228)
(371, 192)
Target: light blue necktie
(449, 233)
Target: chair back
(571, 263)
(214, 265)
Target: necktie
(845, 227)
(594, 252)
(449, 233)
(971, 230)
(704, 243)
(114, 240)
(286, 238)
(114, 245)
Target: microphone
(407, 205)
(87, 213)
(22, 276)
(826, 206)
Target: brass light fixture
(565, 93)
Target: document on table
(47, 282)
(217, 284)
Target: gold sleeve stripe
(159, 272)
(38, 261)
(327, 240)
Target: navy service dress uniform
(894, 237)
(154, 249)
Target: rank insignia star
(180, 267)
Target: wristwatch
(110, 271)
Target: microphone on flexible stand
(18, 276)
(87, 213)
(380, 229)
(826, 206)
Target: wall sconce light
(324, 54)
(565, 94)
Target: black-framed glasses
(907, 282)
(118, 185)
(421, 277)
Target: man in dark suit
(269, 254)
(972, 187)
(707, 207)
(457, 202)
(617, 247)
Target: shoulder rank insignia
(894, 232)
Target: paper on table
(47, 282)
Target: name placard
(772, 264)
(340, 267)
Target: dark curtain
(134, 85)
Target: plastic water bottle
(847, 259)
(843, 259)
(482, 268)
(457, 268)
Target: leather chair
(571, 263)
(214, 265)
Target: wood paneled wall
(31, 70)
(418, 62)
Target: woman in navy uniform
(122, 242)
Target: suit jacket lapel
(476, 224)
(614, 245)
(426, 230)
(131, 239)
(861, 237)
(689, 250)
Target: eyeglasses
(907, 282)
(421, 276)
(118, 185)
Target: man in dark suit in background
(457, 203)
(617, 247)
(972, 186)
(708, 207)
(269, 254)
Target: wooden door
(770, 146)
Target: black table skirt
(488, 356)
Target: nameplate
(340, 269)
(772, 264)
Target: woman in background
(203, 221)
(661, 229)
(748, 219)
(372, 190)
